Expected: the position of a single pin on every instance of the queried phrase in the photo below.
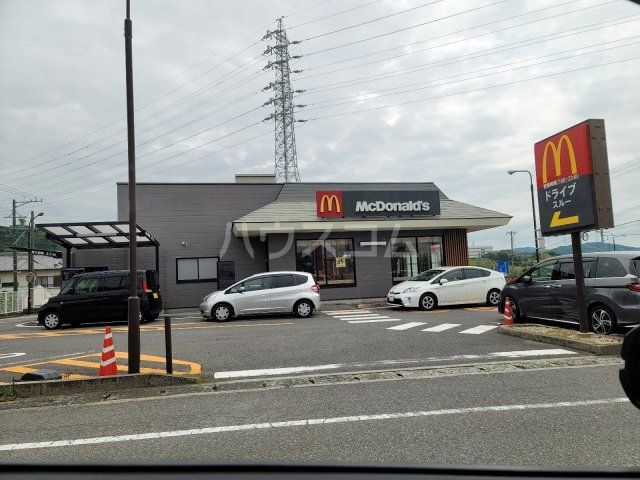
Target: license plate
(155, 295)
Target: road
(440, 396)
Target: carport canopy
(92, 235)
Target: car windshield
(330, 206)
(428, 275)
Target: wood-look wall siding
(456, 251)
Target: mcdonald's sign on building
(572, 176)
(329, 204)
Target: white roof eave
(250, 229)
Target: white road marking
(362, 317)
(376, 320)
(248, 427)
(532, 353)
(4, 356)
(479, 329)
(338, 312)
(442, 327)
(34, 324)
(273, 371)
(407, 326)
(313, 368)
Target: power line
(375, 20)
(457, 31)
(335, 14)
(359, 98)
(217, 110)
(471, 90)
(404, 29)
(474, 55)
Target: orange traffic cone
(508, 315)
(108, 365)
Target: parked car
(448, 286)
(101, 297)
(273, 292)
(547, 291)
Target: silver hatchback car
(273, 292)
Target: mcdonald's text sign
(572, 177)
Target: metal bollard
(167, 343)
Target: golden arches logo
(328, 201)
(556, 150)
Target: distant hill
(40, 243)
(524, 250)
(591, 247)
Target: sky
(453, 91)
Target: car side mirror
(527, 280)
(240, 289)
(630, 374)
(71, 291)
(443, 281)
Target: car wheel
(52, 321)
(222, 312)
(602, 320)
(493, 298)
(428, 301)
(303, 309)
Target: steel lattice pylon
(286, 158)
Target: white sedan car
(448, 286)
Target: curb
(515, 331)
(65, 387)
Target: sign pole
(576, 245)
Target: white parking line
(442, 327)
(248, 427)
(362, 317)
(479, 329)
(376, 320)
(407, 326)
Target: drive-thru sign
(574, 193)
(572, 176)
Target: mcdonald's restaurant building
(358, 239)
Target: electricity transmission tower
(286, 158)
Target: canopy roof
(86, 235)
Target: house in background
(47, 270)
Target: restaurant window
(412, 255)
(331, 262)
(203, 269)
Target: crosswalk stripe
(406, 326)
(376, 320)
(338, 312)
(362, 317)
(442, 327)
(479, 329)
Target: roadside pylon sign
(108, 365)
(508, 314)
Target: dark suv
(548, 291)
(101, 297)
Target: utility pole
(30, 262)
(286, 157)
(15, 253)
(511, 233)
(14, 234)
(133, 303)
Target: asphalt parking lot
(340, 338)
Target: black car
(548, 291)
(101, 297)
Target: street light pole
(133, 303)
(533, 209)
